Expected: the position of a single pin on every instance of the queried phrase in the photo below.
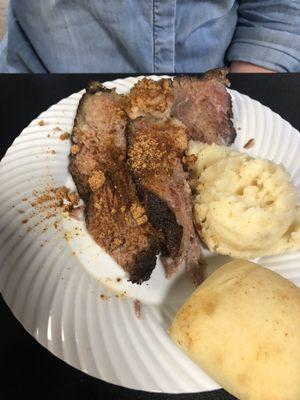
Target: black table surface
(26, 368)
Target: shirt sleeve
(267, 34)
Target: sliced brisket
(114, 216)
(203, 104)
(204, 107)
(155, 151)
(138, 201)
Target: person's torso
(119, 36)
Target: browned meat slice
(114, 216)
(149, 97)
(204, 107)
(155, 150)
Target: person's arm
(240, 66)
(267, 37)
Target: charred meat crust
(95, 86)
(145, 263)
(231, 126)
(162, 218)
(79, 179)
(218, 74)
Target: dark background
(26, 368)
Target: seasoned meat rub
(148, 97)
(114, 216)
(155, 151)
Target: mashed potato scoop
(244, 207)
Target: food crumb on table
(121, 295)
(52, 201)
(64, 136)
(137, 308)
(249, 144)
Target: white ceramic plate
(57, 283)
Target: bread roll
(242, 326)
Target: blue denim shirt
(150, 35)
